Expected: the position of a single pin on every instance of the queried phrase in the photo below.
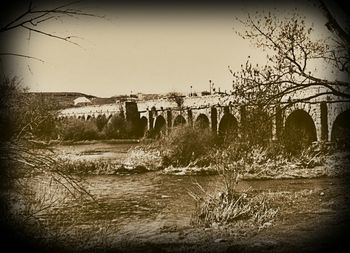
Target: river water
(144, 203)
(144, 206)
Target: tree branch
(22, 55)
(67, 39)
(332, 24)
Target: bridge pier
(150, 120)
(214, 119)
(169, 119)
(189, 117)
(324, 121)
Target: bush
(25, 115)
(77, 130)
(101, 122)
(100, 128)
(229, 205)
(258, 127)
(226, 208)
(185, 145)
(116, 127)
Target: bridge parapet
(92, 110)
(189, 102)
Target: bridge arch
(202, 121)
(299, 131)
(160, 125)
(228, 125)
(341, 129)
(179, 121)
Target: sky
(148, 50)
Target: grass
(249, 211)
(269, 162)
(251, 162)
(145, 156)
(189, 151)
(229, 205)
(83, 142)
(99, 167)
(231, 208)
(138, 159)
(226, 208)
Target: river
(153, 205)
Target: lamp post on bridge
(211, 86)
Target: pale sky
(139, 50)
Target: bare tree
(291, 49)
(27, 118)
(33, 17)
(177, 98)
(340, 56)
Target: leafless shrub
(34, 180)
(227, 208)
(229, 205)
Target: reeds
(227, 208)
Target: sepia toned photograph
(174, 128)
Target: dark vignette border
(14, 240)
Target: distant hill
(62, 100)
(66, 99)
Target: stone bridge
(322, 117)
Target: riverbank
(146, 210)
(86, 142)
(154, 212)
(127, 158)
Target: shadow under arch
(160, 125)
(202, 121)
(179, 121)
(228, 126)
(299, 131)
(142, 126)
(341, 129)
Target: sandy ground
(315, 222)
